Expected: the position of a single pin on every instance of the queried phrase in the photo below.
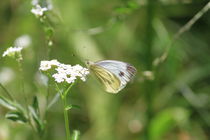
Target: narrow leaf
(16, 116)
(36, 105)
(7, 103)
(39, 124)
(68, 107)
(76, 106)
(34, 114)
(76, 134)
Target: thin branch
(7, 92)
(190, 23)
(182, 30)
(53, 101)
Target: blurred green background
(172, 105)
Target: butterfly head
(89, 63)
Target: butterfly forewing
(113, 74)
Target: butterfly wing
(110, 82)
(124, 72)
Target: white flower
(59, 77)
(12, 51)
(65, 73)
(81, 72)
(70, 79)
(49, 4)
(60, 70)
(46, 65)
(83, 79)
(23, 41)
(38, 11)
(34, 2)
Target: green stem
(63, 95)
(149, 85)
(67, 90)
(21, 75)
(65, 111)
(20, 66)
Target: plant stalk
(65, 112)
(149, 84)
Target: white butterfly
(114, 75)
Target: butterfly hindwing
(110, 82)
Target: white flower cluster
(12, 51)
(20, 43)
(47, 3)
(38, 11)
(65, 73)
(46, 65)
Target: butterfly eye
(87, 63)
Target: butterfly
(113, 74)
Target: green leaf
(36, 105)
(72, 106)
(122, 10)
(49, 31)
(16, 116)
(34, 115)
(7, 103)
(133, 5)
(40, 126)
(76, 134)
(127, 8)
(166, 120)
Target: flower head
(46, 65)
(46, 3)
(12, 51)
(65, 73)
(38, 11)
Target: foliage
(168, 99)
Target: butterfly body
(114, 75)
